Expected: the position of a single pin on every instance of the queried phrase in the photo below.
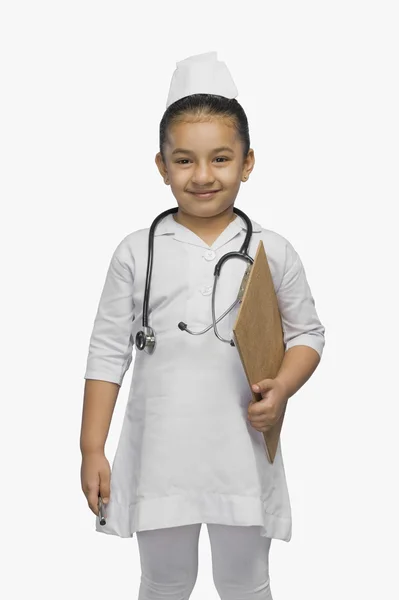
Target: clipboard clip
(244, 282)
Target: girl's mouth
(205, 194)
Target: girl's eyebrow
(220, 149)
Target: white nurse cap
(201, 74)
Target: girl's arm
(304, 340)
(299, 364)
(109, 357)
(98, 407)
(110, 350)
(304, 334)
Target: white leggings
(169, 562)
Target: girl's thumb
(104, 490)
(263, 385)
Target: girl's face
(204, 157)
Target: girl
(191, 449)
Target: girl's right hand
(95, 476)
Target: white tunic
(187, 453)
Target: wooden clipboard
(258, 335)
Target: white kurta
(187, 453)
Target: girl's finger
(92, 500)
(258, 420)
(105, 486)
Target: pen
(101, 508)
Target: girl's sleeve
(300, 321)
(111, 341)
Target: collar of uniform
(168, 225)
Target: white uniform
(187, 453)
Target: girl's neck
(206, 228)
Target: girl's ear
(249, 162)
(161, 166)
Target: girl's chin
(204, 209)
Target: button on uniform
(206, 290)
(209, 255)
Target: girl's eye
(217, 158)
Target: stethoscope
(145, 339)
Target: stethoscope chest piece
(145, 340)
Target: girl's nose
(203, 176)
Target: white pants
(169, 562)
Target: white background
(84, 87)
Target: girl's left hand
(265, 413)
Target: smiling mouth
(205, 194)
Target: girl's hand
(265, 413)
(95, 475)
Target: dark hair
(201, 107)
